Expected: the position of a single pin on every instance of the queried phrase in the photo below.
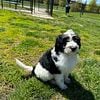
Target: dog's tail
(27, 68)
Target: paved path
(38, 12)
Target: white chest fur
(65, 63)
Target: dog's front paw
(63, 87)
(68, 80)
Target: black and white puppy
(57, 63)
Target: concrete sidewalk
(37, 13)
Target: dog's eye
(76, 38)
(66, 39)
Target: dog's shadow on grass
(75, 90)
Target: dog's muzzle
(73, 49)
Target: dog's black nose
(73, 48)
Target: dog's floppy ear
(78, 41)
(59, 43)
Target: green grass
(27, 37)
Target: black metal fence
(31, 4)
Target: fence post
(2, 4)
(51, 6)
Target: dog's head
(68, 43)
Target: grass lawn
(26, 38)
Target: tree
(92, 6)
(98, 9)
(62, 3)
(76, 6)
(56, 2)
